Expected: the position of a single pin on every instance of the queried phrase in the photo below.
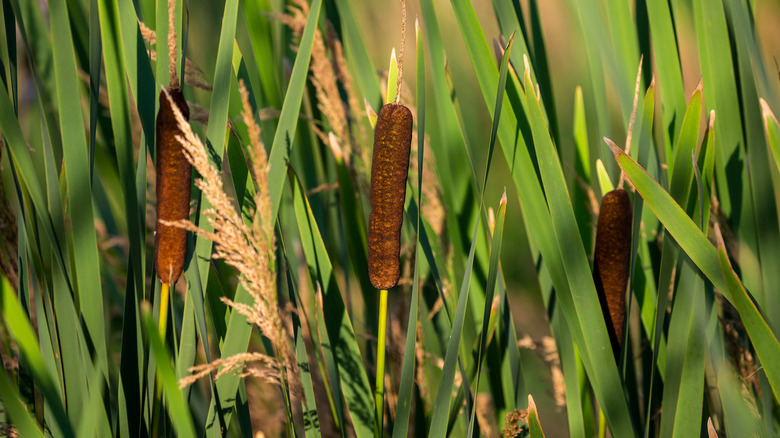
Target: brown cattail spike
(612, 261)
(389, 168)
(173, 189)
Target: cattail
(612, 261)
(389, 168)
(173, 189)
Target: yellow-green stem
(162, 327)
(379, 394)
(602, 424)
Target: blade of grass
(495, 254)
(288, 120)
(534, 427)
(89, 298)
(351, 373)
(681, 171)
(19, 328)
(217, 130)
(733, 179)
(178, 410)
(17, 413)
(667, 63)
(444, 394)
(311, 422)
(606, 381)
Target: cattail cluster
(389, 169)
(612, 261)
(173, 188)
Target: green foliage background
(501, 293)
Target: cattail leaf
(681, 178)
(79, 201)
(217, 130)
(288, 120)
(598, 360)
(605, 182)
(762, 234)
(684, 378)
(534, 427)
(350, 371)
(764, 340)
(174, 401)
(404, 405)
(721, 89)
(438, 427)
(495, 257)
(355, 46)
(23, 421)
(311, 422)
(667, 66)
(392, 79)
(21, 331)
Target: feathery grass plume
(173, 188)
(249, 249)
(612, 261)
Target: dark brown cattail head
(389, 168)
(612, 261)
(173, 189)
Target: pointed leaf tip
(699, 87)
(526, 66)
(531, 403)
(766, 111)
(711, 432)
(711, 121)
(616, 151)
(503, 199)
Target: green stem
(162, 327)
(379, 394)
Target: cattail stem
(163, 324)
(162, 328)
(379, 393)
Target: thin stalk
(379, 393)
(602, 424)
(162, 328)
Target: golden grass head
(389, 169)
(612, 261)
(173, 189)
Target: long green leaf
(85, 250)
(599, 362)
(288, 120)
(20, 330)
(495, 254)
(351, 374)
